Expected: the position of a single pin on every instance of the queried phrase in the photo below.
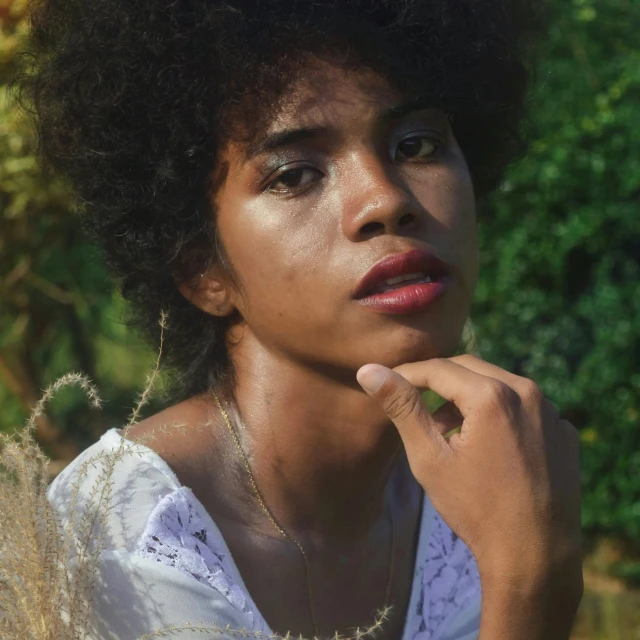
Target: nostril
(371, 228)
(406, 220)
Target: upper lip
(401, 264)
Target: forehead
(322, 93)
(319, 96)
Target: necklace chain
(289, 537)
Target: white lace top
(164, 564)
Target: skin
(301, 224)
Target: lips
(402, 269)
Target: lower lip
(409, 299)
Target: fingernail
(371, 377)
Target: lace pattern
(176, 536)
(448, 580)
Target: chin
(414, 347)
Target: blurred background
(558, 300)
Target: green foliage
(59, 310)
(559, 297)
(629, 571)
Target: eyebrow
(284, 138)
(288, 137)
(404, 108)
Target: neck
(323, 454)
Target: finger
(404, 405)
(529, 392)
(473, 363)
(467, 389)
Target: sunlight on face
(346, 173)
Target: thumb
(404, 405)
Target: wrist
(535, 607)
(553, 567)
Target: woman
(295, 184)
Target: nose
(377, 201)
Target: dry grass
(43, 596)
(39, 598)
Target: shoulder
(181, 436)
(116, 484)
(123, 503)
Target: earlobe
(210, 292)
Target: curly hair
(133, 102)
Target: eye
(416, 148)
(293, 179)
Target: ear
(213, 292)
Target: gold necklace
(284, 534)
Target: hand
(508, 484)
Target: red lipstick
(404, 283)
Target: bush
(59, 310)
(559, 297)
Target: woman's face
(343, 176)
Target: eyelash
(434, 140)
(282, 174)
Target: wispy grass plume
(39, 598)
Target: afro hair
(133, 102)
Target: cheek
(452, 229)
(460, 219)
(279, 251)
(446, 194)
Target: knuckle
(498, 394)
(531, 393)
(402, 404)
